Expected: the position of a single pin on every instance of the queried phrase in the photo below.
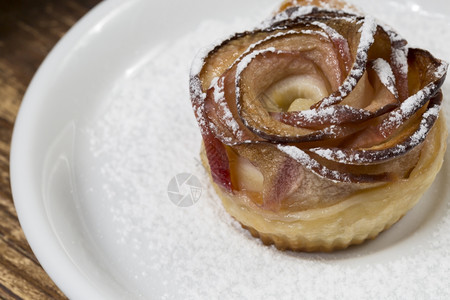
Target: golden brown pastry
(321, 128)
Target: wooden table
(28, 31)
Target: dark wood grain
(28, 31)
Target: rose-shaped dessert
(321, 128)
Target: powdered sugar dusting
(441, 70)
(367, 30)
(303, 158)
(219, 98)
(424, 128)
(148, 134)
(385, 74)
(244, 62)
(407, 108)
(199, 60)
(349, 156)
(400, 59)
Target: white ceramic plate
(106, 124)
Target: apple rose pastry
(321, 128)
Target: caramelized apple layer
(314, 99)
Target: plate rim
(37, 228)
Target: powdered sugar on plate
(146, 134)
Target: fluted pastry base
(351, 221)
